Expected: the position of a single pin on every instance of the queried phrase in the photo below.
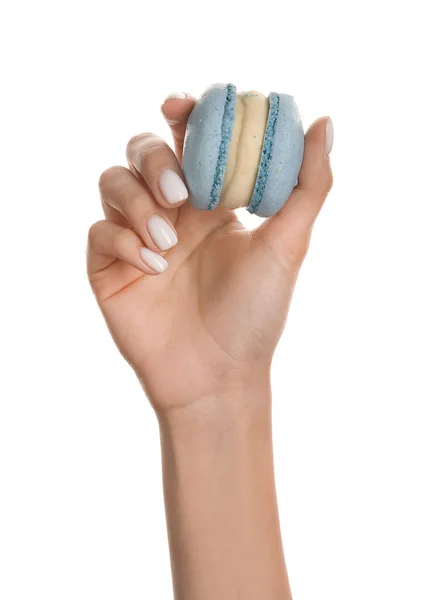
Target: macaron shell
(286, 159)
(202, 143)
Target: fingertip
(315, 173)
(317, 129)
(321, 134)
(176, 111)
(177, 107)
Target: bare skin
(200, 337)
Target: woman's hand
(212, 319)
(200, 337)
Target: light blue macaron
(206, 146)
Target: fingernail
(161, 233)
(175, 96)
(153, 260)
(172, 187)
(329, 135)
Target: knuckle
(109, 175)
(94, 231)
(326, 181)
(94, 236)
(329, 180)
(143, 144)
(141, 138)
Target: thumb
(288, 232)
(176, 110)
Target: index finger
(176, 110)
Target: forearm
(220, 499)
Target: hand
(213, 318)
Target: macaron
(242, 149)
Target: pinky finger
(109, 242)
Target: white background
(81, 512)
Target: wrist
(240, 409)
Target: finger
(152, 161)
(129, 203)
(289, 230)
(176, 110)
(109, 242)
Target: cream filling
(245, 149)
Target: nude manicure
(329, 136)
(153, 260)
(172, 187)
(161, 233)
